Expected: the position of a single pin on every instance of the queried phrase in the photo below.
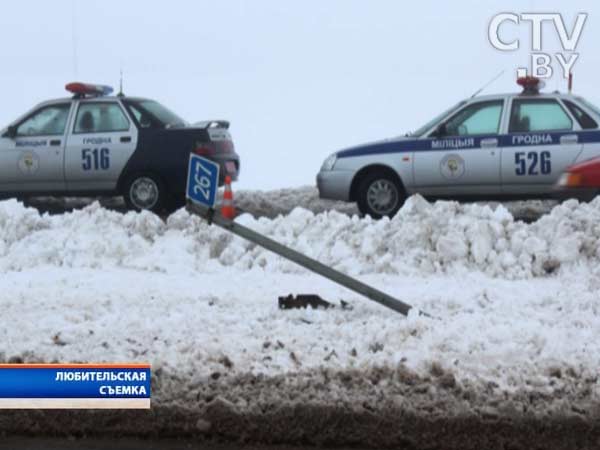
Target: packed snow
(513, 302)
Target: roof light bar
(82, 89)
(531, 85)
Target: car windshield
(436, 119)
(159, 112)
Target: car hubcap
(144, 193)
(382, 196)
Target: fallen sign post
(201, 193)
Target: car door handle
(55, 142)
(489, 143)
(125, 139)
(569, 139)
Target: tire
(380, 194)
(589, 196)
(583, 196)
(145, 192)
(175, 202)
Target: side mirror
(11, 131)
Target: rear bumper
(335, 184)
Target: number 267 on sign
(203, 181)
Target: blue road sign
(202, 181)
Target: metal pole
(302, 260)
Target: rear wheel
(145, 192)
(380, 194)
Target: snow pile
(422, 238)
(425, 237)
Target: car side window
(100, 117)
(478, 118)
(47, 121)
(538, 115)
(141, 116)
(585, 120)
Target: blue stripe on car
(468, 143)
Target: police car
(97, 144)
(497, 146)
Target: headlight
(563, 180)
(329, 162)
(570, 180)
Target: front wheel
(145, 192)
(380, 194)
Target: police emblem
(452, 167)
(29, 163)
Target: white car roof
(554, 94)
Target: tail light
(204, 149)
(212, 148)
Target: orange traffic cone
(227, 208)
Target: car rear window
(585, 120)
(589, 105)
(143, 108)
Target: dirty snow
(280, 202)
(514, 341)
(515, 302)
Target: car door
(32, 151)
(542, 141)
(101, 141)
(463, 156)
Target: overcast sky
(298, 80)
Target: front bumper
(583, 194)
(335, 184)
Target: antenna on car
(488, 83)
(120, 94)
(74, 36)
(570, 83)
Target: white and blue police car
(489, 147)
(96, 144)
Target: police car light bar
(88, 89)
(531, 85)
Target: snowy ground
(516, 306)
